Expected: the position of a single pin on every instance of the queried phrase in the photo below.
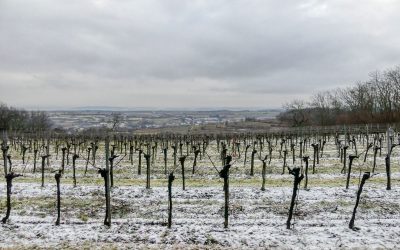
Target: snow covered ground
(257, 218)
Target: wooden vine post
(297, 179)
(165, 151)
(245, 154)
(105, 173)
(111, 159)
(196, 153)
(306, 159)
(140, 162)
(9, 178)
(147, 157)
(285, 152)
(35, 153)
(43, 163)
(389, 138)
(224, 173)
(264, 170)
(4, 149)
(108, 191)
(87, 160)
(171, 178)
(351, 159)
(253, 153)
(344, 159)
(365, 177)
(63, 159)
(57, 176)
(315, 147)
(74, 157)
(182, 161)
(366, 151)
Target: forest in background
(376, 100)
(22, 120)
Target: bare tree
(322, 109)
(116, 120)
(296, 113)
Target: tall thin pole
(108, 197)
(4, 150)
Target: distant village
(132, 120)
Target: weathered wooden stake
(147, 157)
(106, 175)
(264, 170)
(182, 161)
(9, 178)
(43, 162)
(297, 179)
(253, 153)
(140, 162)
(351, 159)
(63, 159)
(376, 148)
(245, 154)
(171, 178)
(74, 157)
(196, 153)
(57, 176)
(165, 151)
(111, 159)
(224, 173)
(305, 159)
(4, 149)
(87, 160)
(344, 159)
(388, 179)
(285, 152)
(365, 177)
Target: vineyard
(304, 188)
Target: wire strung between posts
(361, 170)
(359, 177)
(361, 153)
(91, 163)
(119, 161)
(175, 168)
(212, 162)
(360, 167)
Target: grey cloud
(158, 48)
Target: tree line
(376, 100)
(14, 119)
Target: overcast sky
(189, 54)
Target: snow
(257, 219)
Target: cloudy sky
(189, 54)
